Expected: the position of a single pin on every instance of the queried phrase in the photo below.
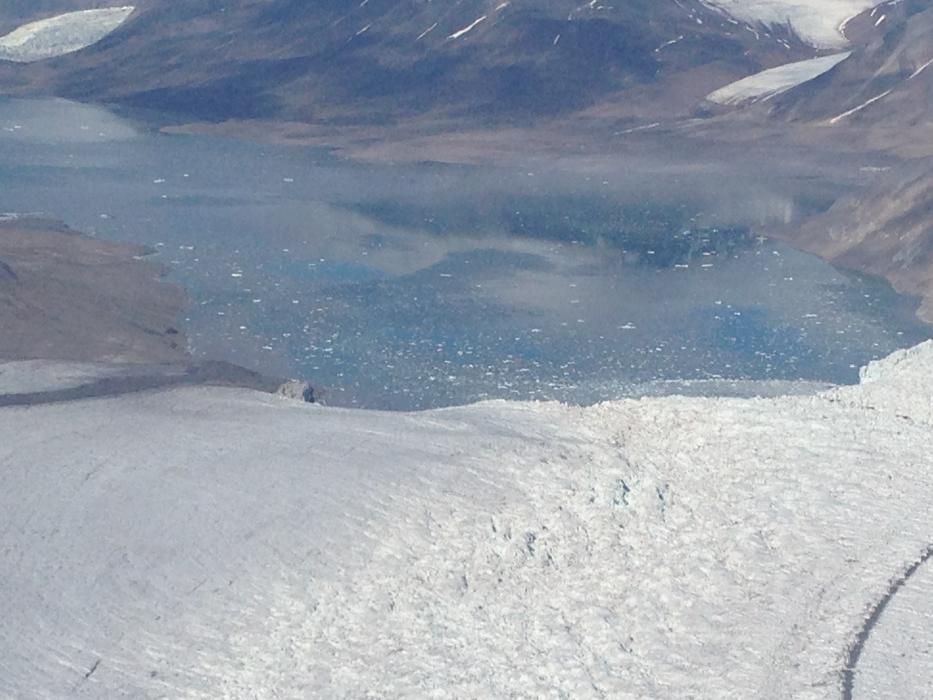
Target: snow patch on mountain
(62, 34)
(214, 542)
(772, 82)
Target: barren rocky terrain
(67, 296)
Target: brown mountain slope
(69, 297)
(331, 61)
(879, 100)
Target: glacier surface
(774, 81)
(208, 542)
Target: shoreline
(69, 299)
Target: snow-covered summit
(214, 542)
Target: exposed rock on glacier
(298, 390)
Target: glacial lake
(411, 286)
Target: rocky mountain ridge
(585, 75)
(473, 60)
(885, 85)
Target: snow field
(61, 34)
(772, 82)
(198, 542)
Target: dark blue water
(421, 285)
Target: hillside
(879, 99)
(886, 230)
(883, 91)
(386, 60)
(68, 297)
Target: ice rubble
(211, 542)
(61, 34)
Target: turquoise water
(422, 285)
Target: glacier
(212, 542)
(61, 34)
(774, 81)
(821, 23)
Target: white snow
(61, 34)
(207, 543)
(867, 103)
(669, 43)
(467, 29)
(772, 82)
(818, 22)
(921, 69)
(643, 127)
(426, 31)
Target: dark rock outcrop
(297, 390)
